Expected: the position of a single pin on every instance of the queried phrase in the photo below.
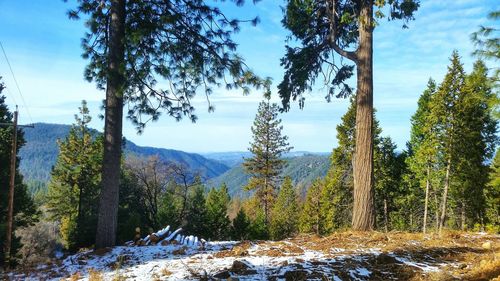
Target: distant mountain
(234, 158)
(40, 152)
(302, 169)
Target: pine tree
(267, 148)
(325, 30)
(465, 137)
(217, 218)
(476, 131)
(422, 159)
(25, 212)
(309, 221)
(285, 213)
(444, 114)
(492, 194)
(153, 55)
(240, 229)
(387, 180)
(74, 184)
(487, 41)
(196, 216)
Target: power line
(17, 85)
(11, 95)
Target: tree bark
(426, 204)
(108, 203)
(445, 196)
(462, 217)
(363, 217)
(386, 221)
(436, 202)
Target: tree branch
(333, 38)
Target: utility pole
(8, 239)
(10, 212)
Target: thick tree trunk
(426, 204)
(445, 196)
(363, 217)
(108, 203)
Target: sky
(43, 47)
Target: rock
(223, 275)
(384, 258)
(242, 268)
(164, 243)
(487, 245)
(239, 266)
(296, 275)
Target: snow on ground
(303, 258)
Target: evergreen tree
(196, 216)
(285, 213)
(445, 115)
(322, 29)
(133, 47)
(241, 226)
(170, 207)
(476, 131)
(74, 184)
(487, 41)
(267, 148)
(217, 219)
(309, 221)
(387, 180)
(492, 194)
(422, 160)
(465, 139)
(25, 212)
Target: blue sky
(44, 50)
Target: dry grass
(165, 272)
(75, 276)
(95, 275)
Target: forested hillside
(39, 154)
(302, 169)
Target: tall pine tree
(345, 28)
(423, 150)
(74, 184)
(153, 56)
(266, 163)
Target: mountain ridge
(40, 152)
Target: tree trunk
(108, 203)
(363, 217)
(385, 216)
(426, 204)
(462, 217)
(445, 196)
(436, 202)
